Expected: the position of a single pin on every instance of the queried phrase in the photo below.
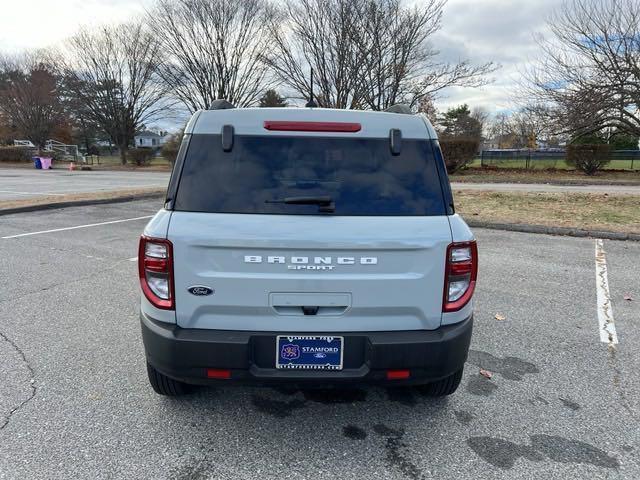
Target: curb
(564, 231)
(512, 227)
(80, 203)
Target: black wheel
(443, 387)
(164, 385)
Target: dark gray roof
(147, 134)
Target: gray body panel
(402, 291)
(348, 292)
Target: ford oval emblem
(200, 290)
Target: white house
(150, 139)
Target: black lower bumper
(186, 354)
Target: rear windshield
(262, 174)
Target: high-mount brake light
(155, 269)
(312, 126)
(461, 273)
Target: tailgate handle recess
(310, 303)
(310, 310)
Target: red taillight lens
(461, 273)
(155, 269)
(312, 126)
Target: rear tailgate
(349, 273)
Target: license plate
(309, 352)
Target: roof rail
(399, 108)
(221, 104)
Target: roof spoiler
(221, 104)
(399, 108)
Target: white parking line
(42, 194)
(76, 227)
(605, 310)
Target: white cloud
(478, 30)
(26, 24)
(491, 30)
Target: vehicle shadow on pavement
(303, 426)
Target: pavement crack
(618, 384)
(66, 282)
(32, 380)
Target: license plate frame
(291, 353)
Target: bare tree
(364, 53)
(30, 97)
(318, 35)
(502, 131)
(213, 49)
(428, 108)
(589, 74)
(401, 64)
(112, 71)
(532, 124)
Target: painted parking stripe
(607, 326)
(41, 194)
(77, 227)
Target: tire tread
(164, 385)
(445, 386)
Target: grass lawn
(617, 213)
(559, 164)
(563, 177)
(72, 197)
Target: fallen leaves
(486, 373)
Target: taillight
(461, 272)
(155, 269)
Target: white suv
(308, 246)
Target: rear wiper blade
(325, 202)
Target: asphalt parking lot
(75, 403)
(24, 183)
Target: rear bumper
(185, 355)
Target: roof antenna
(311, 103)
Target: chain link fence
(551, 159)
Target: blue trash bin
(37, 163)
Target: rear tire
(164, 385)
(443, 387)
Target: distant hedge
(171, 147)
(15, 154)
(458, 152)
(588, 158)
(141, 156)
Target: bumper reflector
(219, 374)
(398, 374)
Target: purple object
(46, 162)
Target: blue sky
(479, 30)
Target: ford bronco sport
(308, 246)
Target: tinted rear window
(359, 174)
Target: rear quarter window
(359, 174)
